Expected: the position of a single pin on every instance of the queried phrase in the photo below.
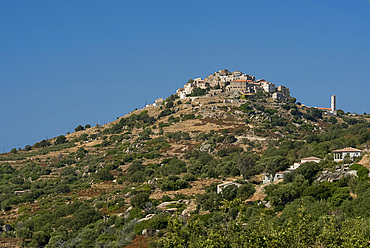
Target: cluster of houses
(236, 82)
(232, 82)
(339, 155)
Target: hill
(152, 175)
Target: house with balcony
(350, 152)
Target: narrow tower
(333, 104)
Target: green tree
(281, 194)
(274, 164)
(229, 193)
(79, 128)
(308, 170)
(247, 165)
(60, 140)
(80, 153)
(104, 175)
(140, 199)
(43, 143)
(245, 191)
(333, 120)
(84, 215)
(39, 239)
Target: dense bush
(140, 199)
(60, 140)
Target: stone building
(284, 90)
(268, 87)
(278, 96)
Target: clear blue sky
(65, 63)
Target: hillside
(151, 176)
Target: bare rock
(339, 172)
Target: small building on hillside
(188, 88)
(268, 87)
(284, 90)
(278, 96)
(159, 101)
(198, 82)
(181, 93)
(222, 186)
(310, 159)
(237, 85)
(305, 160)
(340, 154)
(268, 178)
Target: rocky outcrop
(163, 205)
(206, 148)
(336, 174)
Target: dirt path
(259, 195)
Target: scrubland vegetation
(93, 188)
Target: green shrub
(362, 171)
(60, 140)
(140, 199)
(79, 128)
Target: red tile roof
(324, 108)
(347, 149)
(311, 158)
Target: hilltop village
(235, 85)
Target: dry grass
(10, 242)
(139, 242)
(365, 161)
(197, 187)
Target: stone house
(200, 83)
(181, 93)
(188, 88)
(278, 96)
(159, 101)
(237, 85)
(284, 90)
(268, 87)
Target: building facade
(284, 90)
(350, 152)
(268, 87)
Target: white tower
(333, 104)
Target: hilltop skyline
(68, 64)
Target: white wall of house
(222, 186)
(294, 166)
(267, 178)
(339, 156)
(268, 87)
(188, 88)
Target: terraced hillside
(151, 176)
